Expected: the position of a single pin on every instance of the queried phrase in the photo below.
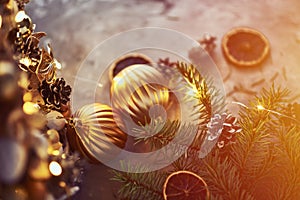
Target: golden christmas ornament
(140, 93)
(55, 120)
(98, 131)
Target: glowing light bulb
(260, 107)
(55, 168)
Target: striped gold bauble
(99, 134)
(140, 93)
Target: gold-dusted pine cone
(139, 94)
(245, 47)
(99, 134)
(126, 61)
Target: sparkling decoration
(245, 47)
(98, 130)
(185, 185)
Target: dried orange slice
(245, 47)
(185, 185)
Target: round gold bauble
(140, 93)
(98, 132)
(55, 120)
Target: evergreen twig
(137, 185)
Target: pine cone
(56, 94)
(229, 130)
(223, 127)
(215, 126)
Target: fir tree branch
(140, 185)
(288, 171)
(182, 145)
(223, 178)
(264, 163)
(253, 153)
(205, 93)
(199, 87)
